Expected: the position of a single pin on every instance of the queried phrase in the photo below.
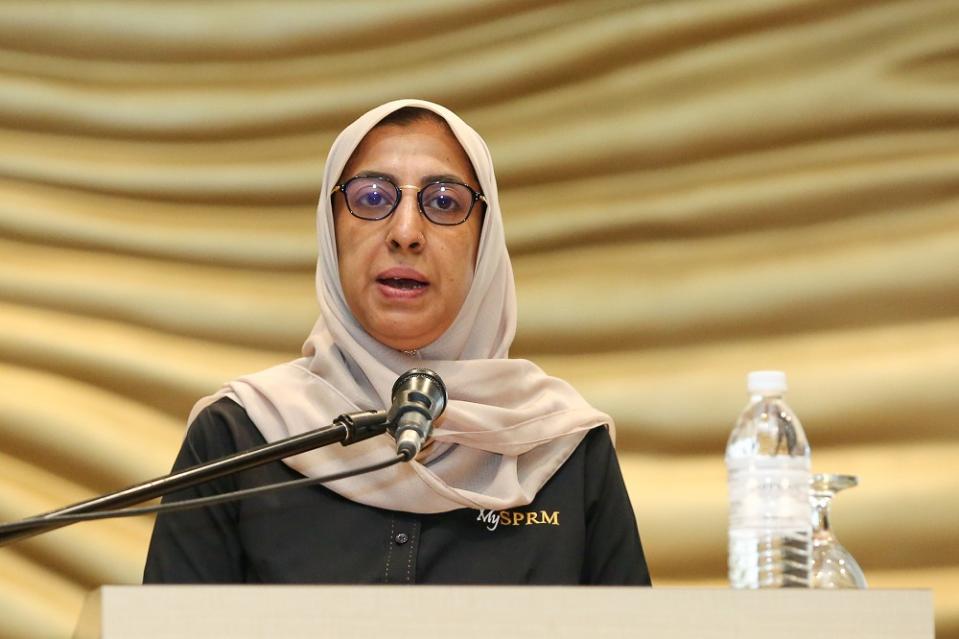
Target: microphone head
(419, 397)
(421, 386)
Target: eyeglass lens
(375, 198)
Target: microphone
(419, 397)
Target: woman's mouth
(402, 282)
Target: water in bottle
(767, 459)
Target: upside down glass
(832, 565)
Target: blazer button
(401, 538)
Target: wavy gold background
(691, 189)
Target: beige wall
(691, 190)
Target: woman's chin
(405, 340)
(405, 346)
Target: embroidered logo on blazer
(493, 519)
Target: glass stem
(821, 516)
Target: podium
(424, 612)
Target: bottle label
(769, 493)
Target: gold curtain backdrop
(692, 190)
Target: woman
(519, 483)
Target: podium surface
(154, 612)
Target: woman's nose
(406, 229)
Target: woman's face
(405, 278)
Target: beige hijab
(508, 426)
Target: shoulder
(592, 453)
(598, 445)
(588, 463)
(601, 466)
(222, 428)
(598, 438)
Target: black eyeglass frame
(477, 196)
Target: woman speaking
(519, 483)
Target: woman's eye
(443, 203)
(446, 198)
(373, 199)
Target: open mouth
(402, 283)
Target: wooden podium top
(423, 612)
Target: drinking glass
(832, 565)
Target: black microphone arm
(345, 429)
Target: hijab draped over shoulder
(508, 426)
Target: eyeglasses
(375, 198)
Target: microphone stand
(345, 429)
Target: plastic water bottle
(767, 458)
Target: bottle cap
(759, 382)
